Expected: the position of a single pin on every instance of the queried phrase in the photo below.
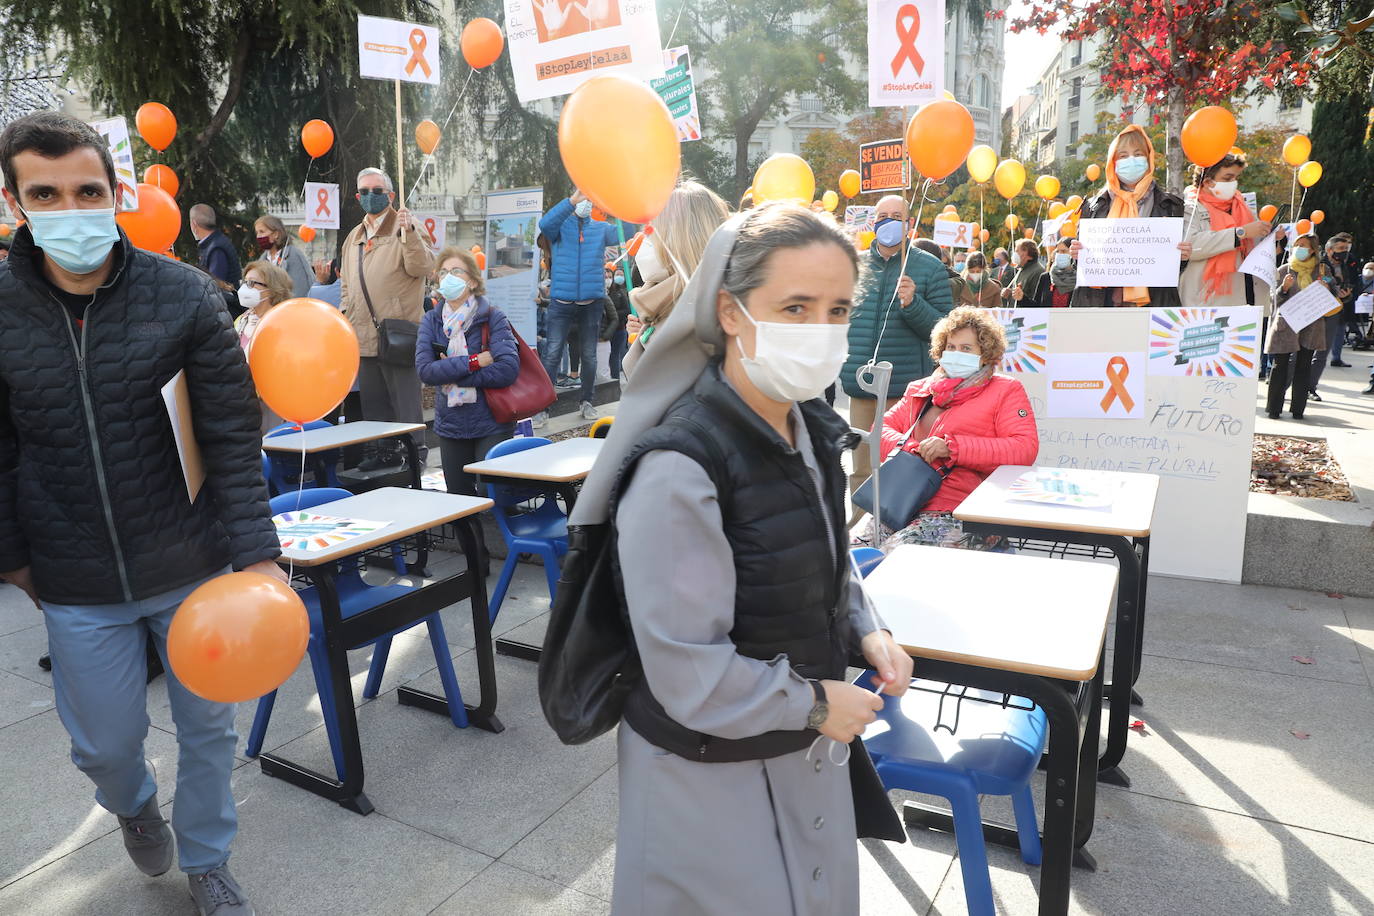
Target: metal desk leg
(1062, 788)
(413, 458)
(523, 650)
(349, 792)
(1144, 545)
(1123, 662)
(1087, 769)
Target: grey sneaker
(149, 840)
(540, 420)
(216, 892)
(588, 411)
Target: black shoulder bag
(908, 482)
(395, 336)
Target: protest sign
(557, 45)
(321, 205)
(1051, 227)
(1096, 385)
(1259, 263)
(389, 49)
(953, 234)
(677, 91)
(1307, 306)
(512, 258)
(1219, 342)
(1251, 200)
(883, 166)
(906, 52)
(857, 219)
(116, 134)
(434, 230)
(1129, 252)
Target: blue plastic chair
(530, 522)
(355, 596)
(267, 475)
(282, 472)
(867, 559)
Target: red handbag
(531, 392)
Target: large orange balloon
(1069, 229)
(849, 183)
(620, 147)
(1056, 210)
(1009, 178)
(1296, 150)
(156, 124)
(482, 43)
(1046, 186)
(304, 358)
(427, 136)
(939, 137)
(784, 176)
(1303, 227)
(984, 235)
(1318, 217)
(1074, 202)
(154, 226)
(1309, 173)
(163, 177)
(238, 637)
(1268, 212)
(982, 162)
(1093, 172)
(317, 137)
(1207, 135)
(1012, 221)
(5, 230)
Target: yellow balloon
(784, 176)
(1093, 172)
(1296, 149)
(849, 183)
(1074, 202)
(1057, 210)
(982, 162)
(1046, 186)
(948, 216)
(949, 95)
(830, 200)
(1309, 173)
(1009, 178)
(1012, 221)
(866, 237)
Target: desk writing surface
(405, 511)
(558, 462)
(1130, 515)
(328, 437)
(1007, 611)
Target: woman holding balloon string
(1222, 232)
(264, 285)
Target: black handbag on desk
(907, 481)
(395, 336)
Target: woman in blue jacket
(461, 365)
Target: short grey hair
(772, 227)
(203, 215)
(386, 179)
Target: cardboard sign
(389, 49)
(1308, 306)
(321, 205)
(1096, 385)
(883, 166)
(906, 52)
(953, 234)
(557, 45)
(857, 219)
(679, 94)
(1206, 342)
(1130, 252)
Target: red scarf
(1226, 215)
(945, 391)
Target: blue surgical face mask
(889, 232)
(77, 240)
(1131, 169)
(1301, 254)
(374, 202)
(959, 266)
(619, 279)
(452, 287)
(1062, 259)
(958, 364)
(583, 209)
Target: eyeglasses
(372, 190)
(454, 271)
(256, 284)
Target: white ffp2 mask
(794, 362)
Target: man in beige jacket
(384, 262)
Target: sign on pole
(321, 205)
(512, 257)
(433, 231)
(557, 46)
(389, 49)
(678, 93)
(883, 166)
(906, 52)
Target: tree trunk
(742, 176)
(1176, 179)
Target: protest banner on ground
(953, 234)
(116, 134)
(1130, 252)
(679, 93)
(321, 205)
(906, 52)
(389, 49)
(557, 46)
(512, 258)
(884, 166)
(1307, 306)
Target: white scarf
(456, 322)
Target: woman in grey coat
(737, 788)
(275, 242)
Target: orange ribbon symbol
(1117, 371)
(418, 42)
(960, 234)
(429, 230)
(906, 34)
(322, 195)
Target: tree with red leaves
(1178, 55)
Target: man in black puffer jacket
(95, 524)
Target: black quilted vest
(791, 585)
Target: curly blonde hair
(992, 341)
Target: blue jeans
(99, 673)
(561, 318)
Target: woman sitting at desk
(963, 419)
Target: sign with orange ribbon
(556, 45)
(321, 205)
(433, 231)
(1096, 385)
(953, 234)
(906, 52)
(389, 49)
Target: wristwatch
(1240, 233)
(821, 711)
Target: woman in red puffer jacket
(967, 420)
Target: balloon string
(901, 272)
(424, 163)
(982, 217)
(300, 489)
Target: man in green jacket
(905, 294)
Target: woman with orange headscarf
(1222, 231)
(1130, 193)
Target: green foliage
(1340, 143)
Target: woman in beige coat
(1292, 350)
(1221, 231)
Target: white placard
(433, 230)
(857, 218)
(1097, 385)
(678, 91)
(557, 45)
(1205, 342)
(513, 257)
(906, 52)
(176, 396)
(1259, 263)
(953, 234)
(321, 205)
(1251, 201)
(1129, 252)
(1050, 229)
(1309, 305)
(116, 134)
(389, 49)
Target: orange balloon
(1309, 173)
(1069, 229)
(620, 147)
(156, 124)
(866, 237)
(154, 226)
(304, 359)
(317, 137)
(1268, 212)
(1207, 135)
(1012, 221)
(238, 637)
(1303, 227)
(976, 229)
(1073, 203)
(849, 183)
(984, 235)
(481, 260)
(163, 177)
(482, 43)
(1047, 186)
(939, 137)
(1297, 149)
(427, 136)
(1318, 217)
(5, 230)
(307, 233)
(1009, 178)
(1093, 172)
(784, 176)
